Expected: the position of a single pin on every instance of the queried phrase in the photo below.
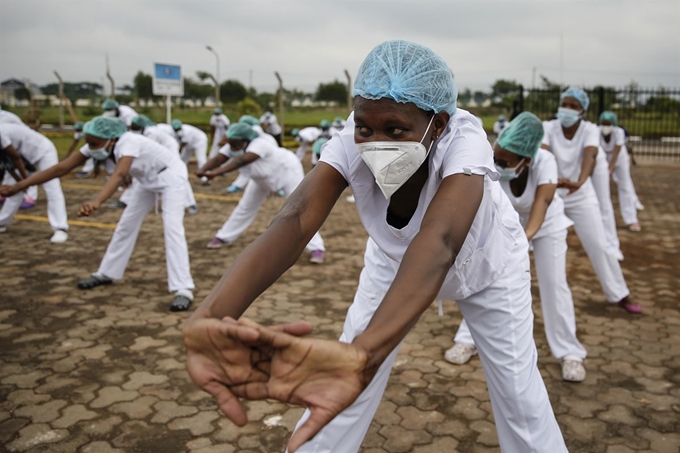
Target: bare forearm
(615, 156)
(588, 165)
(55, 171)
(232, 164)
(536, 218)
(213, 163)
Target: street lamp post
(217, 76)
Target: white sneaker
(639, 206)
(619, 255)
(350, 199)
(460, 353)
(59, 237)
(573, 371)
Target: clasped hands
(242, 359)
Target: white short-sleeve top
(462, 148)
(32, 145)
(616, 138)
(543, 170)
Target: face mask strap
(428, 128)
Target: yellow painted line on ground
(205, 196)
(37, 218)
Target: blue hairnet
(249, 120)
(294, 132)
(578, 94)
(110, 104)
(241, 131)
(217, 111)
(610, 116)
(142, 121)
(407, 72)
(325, 124)
(318, 144)
(176, 124)
(502, 118)
(338, 120)
(523, 135)
(105, 127)
(78, 126)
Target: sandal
(180, 303)
(93, 281)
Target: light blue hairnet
(502, 118)
(250, 120)
(610, 116)
(110, 104)
(105, 127)
(578, 94)
(142, 121)
(176, 124)
(78, 126)
(294, 132)
(318, 144)
(325, 124)
(407, 72)
(523, 135)
(241, 131)
(217, 111)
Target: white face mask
(179, 134)
(606, 130)
(508, 174)
(109, 113)
(394, 162)
(100, 153)
(567, 117)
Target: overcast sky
(308, 42)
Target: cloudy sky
(311, 41)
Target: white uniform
(277, 168)
(195, 141)
(220, 123)
(550, 256)
(158, 172)
(582, 206)
(306, 136)
(490, 279)
(621, 174)
(498, 126)
(9, 117)
(242, 179)
(126, 114)
(600, 178)
(270, 124)
(39, 151)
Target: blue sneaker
(233, 189)
(281, 193)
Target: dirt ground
(102, 370)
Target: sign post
(167, 81)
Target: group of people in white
(411, 158)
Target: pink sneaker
(27, 204)
(630, 307)
(317, 257)
(216, 243)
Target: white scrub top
(162, 137)
(271, 123)
(150, 159)
(78, 135)
(462, 148)
(221, 123)
(543, 170)
(616, 138)
(9, 117)
(311, 134)
(126, 114)
(32, 145)
(193, 136)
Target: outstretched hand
(8, 191)
(86, 209)
(325, 376)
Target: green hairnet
(294, 132)
(338, 120)
(522, 136)
(318, 144)
(407, 72)
(241, 131)
(176, 124)
(142, 121)
(610, 116)
(578, 94)
(325, 124)
(78, 127)
(110, 104)
(105, 127)
(217, 111)
(249, 120)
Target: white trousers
(248, 206)
(302, 150)
(241, 181)
(200, 151)
(557, 305)
(56, 204)
(600, 180)
(501, 323)
(627, 196)
(140, 202)
(584, 211)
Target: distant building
(9, 87)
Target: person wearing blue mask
(113, 109)
(439, 227)
(529, 179)
(613, 143)
(159, 175)
(574, 142)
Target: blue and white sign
(167, 80)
